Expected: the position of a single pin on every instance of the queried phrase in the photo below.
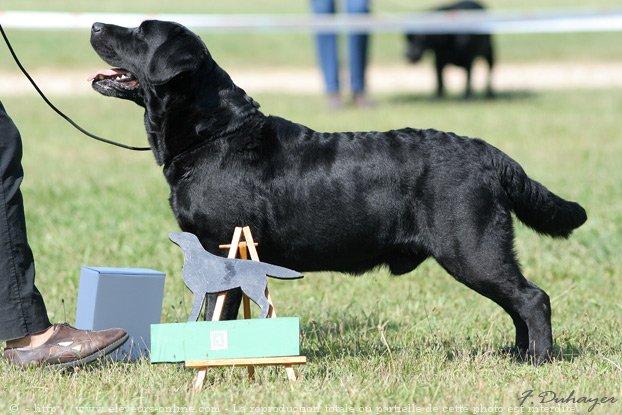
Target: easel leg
(247, 314)
(246, 303)
(199, 379)
(271, 310)
(291, 373)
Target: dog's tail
(282, 273)
(535, 205)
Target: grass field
(372, 341)
(70, 49)
(419, 339)
(40, 50)
(271, 6)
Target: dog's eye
(139, 31)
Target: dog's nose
(97, 27)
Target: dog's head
(415, 47)
(184, 240)
(167, 69)
(145, 58)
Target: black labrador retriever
(346, 201)
(455, 49)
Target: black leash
(59, 112)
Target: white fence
(449, 22)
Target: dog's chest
(212, 204)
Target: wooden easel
(243, 244)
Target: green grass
(40, 50)
(374, 340)
(71, 49)
(272, 6)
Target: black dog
(456, 49)
(331, 201)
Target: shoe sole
(91, 358)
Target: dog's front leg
(196, 306)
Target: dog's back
(462, 5)
(460, 49)
(457, 49)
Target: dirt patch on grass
(418, 78)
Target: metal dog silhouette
(205, 273)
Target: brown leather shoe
(68, 347)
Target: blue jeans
(328, 54)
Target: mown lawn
(420, 339)
(272, 6)
(62, 49)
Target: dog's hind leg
(480, 255)
(199, 298)
(489, 56)
(440, 85)
(468, 88)
(264, 304)
(259, 298)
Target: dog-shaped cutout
(205, 273)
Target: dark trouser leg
(22, 311)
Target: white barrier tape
(448, 22)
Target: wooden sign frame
(242, 244)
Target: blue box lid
(125, 271)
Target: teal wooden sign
(232, 339)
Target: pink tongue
(105, 73)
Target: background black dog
(399, 196)
(456, 49)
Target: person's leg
(358, 45)
(22, 310)
(24, 324)
(327, 51)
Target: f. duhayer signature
(555, 397)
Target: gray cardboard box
(130, 298)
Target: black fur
(454, 49)
(345, 201)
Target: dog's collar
(204, 142)
(187, 150)
(199, 145)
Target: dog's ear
(176, 56)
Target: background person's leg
(358, 47)
(327, 52)
(22, 311)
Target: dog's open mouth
(116, 78)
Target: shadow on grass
(566, 354)
(514, 95)
(362, 336)
(339, 337)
